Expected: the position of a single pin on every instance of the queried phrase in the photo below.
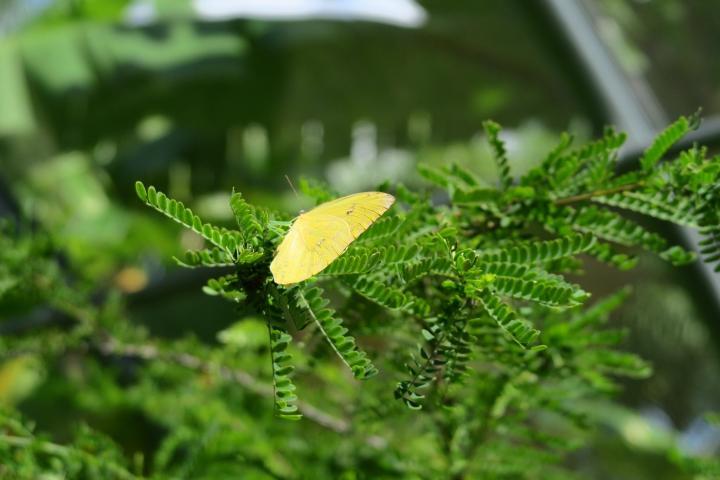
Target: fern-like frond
(616, 228)
(463, 174)
(523, 281)
(445, 354)
(311, 301)
(711, 245)
(610, 142)
(710, 230)
(357, 260)
(209, 257)
(606, 253)
(558, 330)
(393, 254)
(246, 218)
(458, 352)
(360, 259)
(243, 257)
(383, 228)
(601, 310)
(611, 226)
(282, 368)
(539, 251)
(581, 169)
(229, 240)
(614, 363)
(502, 269)
(415, 270)
(492, 130)
(425, 367)
(227, 287)
(388, 296)
(667, 139)
(434, 175)
(544, 171)
(658, 205)
(518, 329)
(177, 211)
(543, 292)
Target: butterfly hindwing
(321, 235)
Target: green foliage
(539, 251)
(361, 260)
(492, 130)
(711, 245)
(283, 387)
(659, 205)
(210, 257)
(667, 139)
(445, 355)
(480, 253)
(462, 299)
(250, 221)
(519, 330)
(311, 302)
(227, 287)
(237, 245)
(19, 261)
(387, 296)
(25, 455)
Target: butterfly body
(321, 235)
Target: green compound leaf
(247, 219)
(359, 259)
(616, 228)
(209, 257)
(666, 140)
(658, 205)
(232, 242)
(315, 306)
(388, 296)
(520, 330)
(539, 251)
(543, 292)
(226, 287)
(386, 227)
(445, 355)
(283, 387)
(492, 130)
(415, 270)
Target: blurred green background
(200, 97)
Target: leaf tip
(140, 190)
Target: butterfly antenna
(291, 185)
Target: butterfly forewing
(321, 235)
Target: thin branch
(151, 352)
(319, 325)
(597, 193)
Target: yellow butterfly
(318, 237)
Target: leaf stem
(150, 352)
(597, 193)
(310, 311)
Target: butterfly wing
(321, 235)
(358, 210)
